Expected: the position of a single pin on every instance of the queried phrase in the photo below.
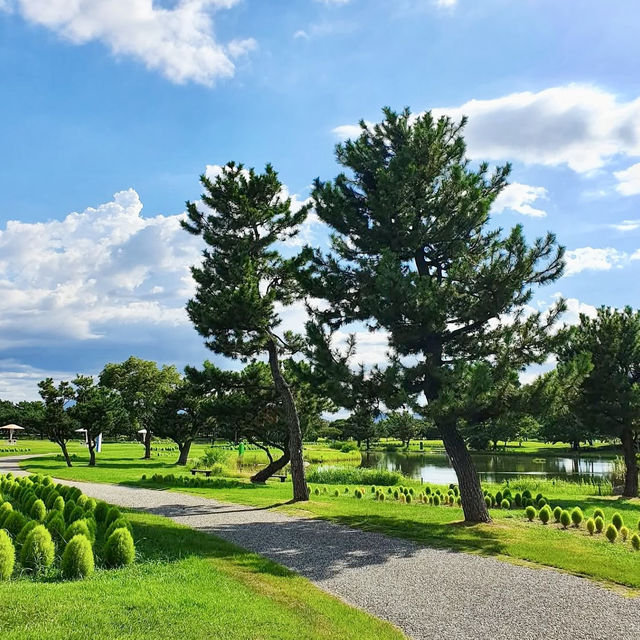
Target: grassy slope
(511, 535)
(186, 584)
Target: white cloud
(446, 3)
(628, 180)
(580, 126)
(80, 277)
(178, 42)
(626, 225)
(20, 382)
(301, 34)
(590, 259)
(519, 197)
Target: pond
(435, 467)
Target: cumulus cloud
(628, 180)
(178, 42)
(626, 225)
(76, 277)
(580, 126)
(591, 259)
(519, 197)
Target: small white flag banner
(99, 443)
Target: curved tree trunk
(65, 453)
(473, 504)
(92, 455)
(273, 467)
(184, 449)
(631, 463)
(300, 488)
(147, 445)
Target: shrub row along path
(428, 593)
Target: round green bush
(336, 493)
(381, 496)
(402, 498)
(408, 498)
(38, 550)
(113, 514)
(79, 527)
(544, 514)
(7, 555)
(51, 498)
(346, 490)
(459, 501)
(635, 542)
(90, 506)
(617, 521)
(101, 510)
(358, 494)
(530, 512)
(77, 559)
(598, 513)
(577, 516)
(518, 499)
(599, 524)
(25, 531)
(436, 500)
(5, 509)
(14, 523)
(119, 549)
(428, 491)
(557, 512)
(69, 506)
(542, 502)
(624, 533)
(76, 514)
(505, 504)
(487, 501)
(591, 526)
(498, 497)
(526, 493)
(611, 533)
(565, 518)
(58, 504)
(316, 491)
(57, 526)
(373, 490)
(38, 511)
(82, 500)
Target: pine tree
(413, 254)
(242, 217)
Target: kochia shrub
(38, 550)
(101, 510)
(14, 523)
(5, 509)
(498, 497)
(25, 531)
(58, 504)
(598, 513)
(115, 513)
(599, 524)
(77, 559)
(557, 512)
(518, 499)
(69, 506)
(565, 519)
(505, 504)
(530, 512)
(358, 494)
(436, 500)
(577, 516)
(487, 501)
(617, 521)
(38, 511)
(76, 514)
(624, 533)
(7, 555)
(591, 526)
(56, 526)
(119, 549)
(79, 527)
(544, 514)
(611, 533)
(635, 542)
(408, 498)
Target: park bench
(280, 477)
(207, 472)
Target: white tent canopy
(11, 428)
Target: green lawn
(186, 584)
(510, 536)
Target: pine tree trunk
(184, 449)
(473, 504)
(65, 453)
(631, 463)
(147, 445)
(92, 455)
(273, 467)
(298, 479)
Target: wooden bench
(207, 472)
(281, 478)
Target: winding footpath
(428, 593)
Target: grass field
(511, 535)
(185, 584)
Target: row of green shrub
(182, 480)
(49, 531)
(594, 525)
(504, 499)
(14, 450)
(354, 475)
(405, 495)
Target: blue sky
(103, 97)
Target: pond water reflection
(435, 467)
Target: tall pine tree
(413, 254)
(243, 277)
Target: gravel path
(428, 593)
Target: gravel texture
(428, 593)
